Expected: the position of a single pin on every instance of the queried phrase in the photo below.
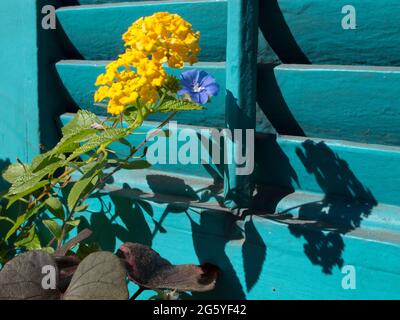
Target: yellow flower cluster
(138, 73)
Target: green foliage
(14, 171)
(54, 205)
(46, 193)
(172, 105)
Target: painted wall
(19, 124)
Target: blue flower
(198, 85)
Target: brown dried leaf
(148, 269)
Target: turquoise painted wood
(354, 170)
(18, 82)
(336, 102)
(31, 99)
(302, 31)
(194, 170)
(369, 173)
(241, 66)
(260, 258)
(78, 77)
(83, 2)
(90, 28)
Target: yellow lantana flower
(138, 73)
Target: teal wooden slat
(382, 220)
(353, 171)
(337, 102)
(302, 31)
(96, 30)
(208, 171)
(19, 97)
(84, 2)
(241, 67)
(259, 258)
(79, 77)
(335, 168)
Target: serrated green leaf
(83, 120)
(55, 206)
(85, 183)
(13, 172)
(72, 141)
(104, 137)
(178, 105)
(53, 227)
(29, 179)
(23, 194)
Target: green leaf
(178, 105)
(30, 179)
(20, 195)
(72, 224)
(13, 172)
(71, 142)
(85, 183)
(23, 218)
(83, 120)
(82, 207)
(7, 219)
(104, 137)
(101, 275)
(53, 227)
(28, 239)
(41, 161)
(55, 206)
(48, 250)
(130, 165)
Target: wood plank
(303, 31)
(206, 171)
(79, 77)
(96, 30)
(19, 87)
(250, 253)
(364, 173)
(85, 2)
(335, 168)
(335, 102)
(241, 92)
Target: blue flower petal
(191, 76)
(195, 97)
(184, 91)
(212, 89)
(203, 97)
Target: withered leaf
(100, 276)
(21, 278)
(83, 235)
(148, 269)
